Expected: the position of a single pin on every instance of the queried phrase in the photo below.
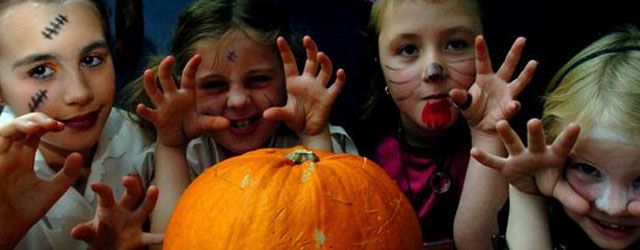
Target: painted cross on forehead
(231, 56)
(54, 26)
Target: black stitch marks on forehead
(54, 26)
(37, 100)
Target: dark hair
(213, 19)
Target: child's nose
(613, 202)
(78, 90)
(433, 66)
(237, 98)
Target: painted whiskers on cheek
(394, 81)
(456, 67)
(54, 26)
(271, 101)
(37, 100)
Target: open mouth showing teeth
(614, 226)
(245, 123)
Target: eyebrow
(261, 70)
(45, 57)
(460, 29)
(222, 77)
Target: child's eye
(636, 184)
(259, 81)
(408, 50)
(587, 170)
(91, 61)
(41, 72)
(215, 86)
(456, 45)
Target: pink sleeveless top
(433, 184)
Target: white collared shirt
(203, 152)
(121, 151)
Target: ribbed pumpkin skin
(261, 200)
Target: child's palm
(175, 117)
(25, 197)
(537, 168)
(309, 100)
(493, 95)
(119, 226)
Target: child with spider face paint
(592, 168)
(239, 90)
(57, 85)
(430, 53)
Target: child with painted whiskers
(239, 90)
(57, 126)
(592, 168)
(430, 53)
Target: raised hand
(309, 100)
(24, 197)
(493, 94)
(119, 226)
(175, 116)
(538, 167)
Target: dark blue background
(555, 31)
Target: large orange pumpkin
(293, 199)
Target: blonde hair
(377, 11)
(599, 86)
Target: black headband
(589, 57)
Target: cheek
(210, 104)
(402, 82)
(588, 190)
(463, 73)
(271, 96)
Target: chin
(67, 142)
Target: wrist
(321, 141)
(488, 142)
(10, 235)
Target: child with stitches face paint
(58, 62)
(57, 85)
(426, 49)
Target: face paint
(435, 72)
(54, 26)
(401, 83)
(271, 101)
(437, 112)
(463, 69)
(37, 100)
(231, 56)
(604, 201)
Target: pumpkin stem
(301, 155)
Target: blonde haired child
(592, 168)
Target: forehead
(424, 16)
(235, 50)
(23, 25)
